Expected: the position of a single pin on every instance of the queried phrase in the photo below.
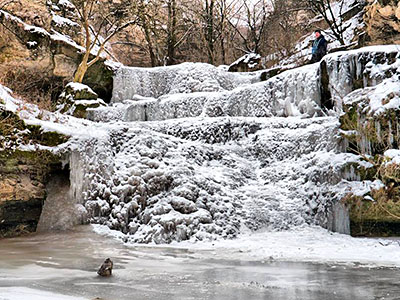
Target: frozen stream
(63, 266)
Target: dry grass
(32, 82)
(33, 12)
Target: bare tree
(335, 21)
(251, 28)
(111, 20)
(145, 20)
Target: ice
(18, 293)
(61, 21)
(183, 78)
(206, 178)
(293, 93)
(224, 154)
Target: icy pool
(62, 266)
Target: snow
(36, 29)
(368, 49)
(66, 4)
(89, 102)
(62, 22)
(7, 101)
(311, 244)
(112, 64)
(18, 293)
(10, 17)
(56, 36)
(31, 44)
(394, 155)
(247, 58)
(378, 99)
(76, 86)
(301, 244)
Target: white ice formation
(224, 152)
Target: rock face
(370, 124)
(22, 191)
(23, 174)
(21, 201)
(57, 52)
(382, 19)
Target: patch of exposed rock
(382, 19)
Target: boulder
(79, 91)
(247, 63)
(77, 98)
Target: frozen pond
(63, 266)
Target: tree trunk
(210, 30)
(82, 68)
(171, 37)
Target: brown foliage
(31, 82)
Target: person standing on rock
(319, 47)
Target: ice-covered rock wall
(350, 70)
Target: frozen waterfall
(225, 152)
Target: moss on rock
(23, 174)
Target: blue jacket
(320, 46)
(319, 49)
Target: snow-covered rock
(246, 63)
(77, 98)
(355, 69)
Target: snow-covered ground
(302, 244)
(18, 293)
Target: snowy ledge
(303, 244)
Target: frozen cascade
(360, 68)
(293, 93)
(197, 89)
(219, 158)
(60, 210)
(183, 78)
(204, 178)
